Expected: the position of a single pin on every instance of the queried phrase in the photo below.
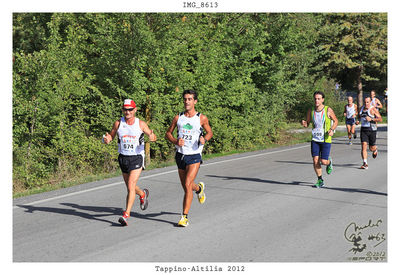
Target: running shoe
(201, 196)
(364, 166)
(375, 154)
(329, 168)
(123, 220)
(144, 202)
(350, 143)
(183, 221)
(319, 183)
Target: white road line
(155, 175)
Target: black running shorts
(129, 163)
(368, 136)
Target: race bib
(374, 127)
(188, 140)
(129, 143)
(318, 134)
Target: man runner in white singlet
(189, 145)
(350, 112)
(131, 132)
(321, 117)
(375, 102)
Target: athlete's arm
(108, 137)
(145, 128)
(306, 122)
(206, 126)
(378, 103)
(170, 136)
(345, 110)
(356, 109)
(358, 117)
(378, 117)
(332, 116)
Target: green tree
(355, 43)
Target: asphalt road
(260, 207)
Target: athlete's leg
(187, 178)
(349, 130)
(372, 142)
(364, 146)
(374, 150)
(325, 153)
(325, 161)
(353, 129)
(317, 166)
(131, 179)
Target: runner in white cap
(131, 132)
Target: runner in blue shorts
(350, 112)
(189, 145)
(322, 132)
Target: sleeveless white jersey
(364, 122)
(373, 102)
(319, 123)
(189, 129)
(350, 111)
(130, 138)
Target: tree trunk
(147, 144)
(31, 133)
(359, 87)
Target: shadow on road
(105, 212)
(350, 190)
(344, 165)
(355, 190)
(261, 180)
(355, 143)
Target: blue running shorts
(183, 160)
(321, 149)
(351, 121)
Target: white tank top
(364, 122)
(318, 132)
(189, 129)
(350, 111)
(373, 102)
(130, 138)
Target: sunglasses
(130, 110)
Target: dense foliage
(253, 72)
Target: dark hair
(190, 92)
(319, 93)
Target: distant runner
(375, 102)
(322, 132)
(368, 116)
(131, 132)
(350, 112)
(386, 100)
(189, 145)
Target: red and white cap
(129, 103)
